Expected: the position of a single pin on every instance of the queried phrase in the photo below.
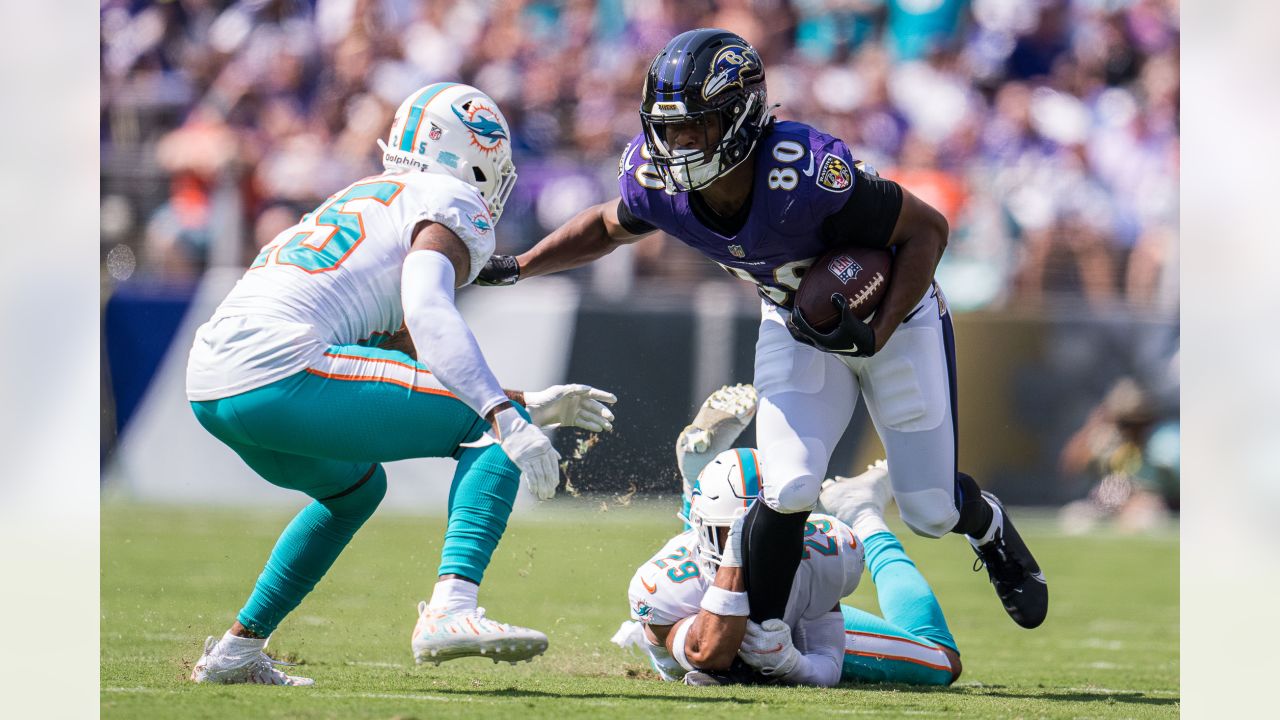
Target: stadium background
(1047, 132)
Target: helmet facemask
(729, 133)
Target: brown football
(860, 274)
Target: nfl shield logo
(737, 251)
(844, 268)
(435, 132)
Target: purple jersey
(802, 176)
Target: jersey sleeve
(455, 205)
(631, 223)
(636, 179)
(856, 205)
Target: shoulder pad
(454, 204)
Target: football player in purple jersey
(763, 199)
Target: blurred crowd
(1045, 130)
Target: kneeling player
(691, 607)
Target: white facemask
(697, 174)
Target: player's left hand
(850, 336)
(574, 405)
(767, 647)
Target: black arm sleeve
(630, 222)
(868, 216)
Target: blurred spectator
(1129, 447)
(1045, 130)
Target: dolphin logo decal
(487, 128)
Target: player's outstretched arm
(920, 236)
(589, 235)
(445, 343)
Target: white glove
(731, 556)
(573, 405)
(531, 451)
(768, 648)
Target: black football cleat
(1014, 572)
(739, 673)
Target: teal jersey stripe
(415, 114)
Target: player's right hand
(732, 554)
(768, 647)
(500, 270)
(531, 451)
(573, 405)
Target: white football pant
(807, 398)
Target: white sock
(236, 646)
(868, 524)
(997, 522)
(454, 594)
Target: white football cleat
(441, 636)
(218, 666)
(720, 420)
(859, 500)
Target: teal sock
(480, 501)
(307, 549)
(906, 600)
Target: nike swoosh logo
(654, 588)
(808, 172)
(777, 649)
(1039, 577)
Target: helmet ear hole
(478, 173)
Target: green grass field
(172, 576)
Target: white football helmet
(454, 129)
(725, 489)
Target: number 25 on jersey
(328, 235)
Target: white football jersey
(331, 279)
(671, 584)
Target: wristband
(499, 270)
(726, 603)
(677, 644)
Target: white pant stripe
(342, 366)
(893, 648)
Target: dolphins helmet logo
(727, 68)
(481, 223)
(486, 131)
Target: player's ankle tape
(726, 602)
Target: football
(860, 274)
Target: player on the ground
(289, 374)
(687, 601)
(763, 199)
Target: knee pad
(910, 390)
(931, 513)
(788, 484)
(799, 494)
